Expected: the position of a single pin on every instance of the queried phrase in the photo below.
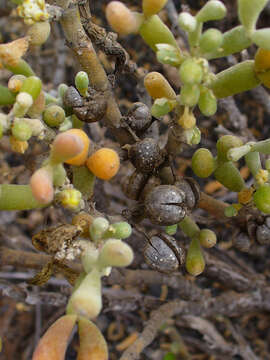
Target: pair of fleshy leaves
(54, 342)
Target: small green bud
(229, 176)
(210, 40)
(98, 228)
(54, 116)
(70, 198)
(249, 11)
(82, 82)
(207, 102)
(230, 211)
(203, 163)
(225, 143)
(162, 106)
(195, 262)
(119, 230)
(168, 54)
(62, 88)
(261, 198)
(212, 10)
(171, 229)
(115, 253)
(187, 22)
(189, 95)
(21, 130)
(207, 238)
(32, 85)
(191, 72)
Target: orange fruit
(79, 159)
(104, 163)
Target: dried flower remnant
(11, 53)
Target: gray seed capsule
(263, 235)
(165, 205)
(163, 254)
(139, 117)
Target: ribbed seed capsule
(162, 253)
(165, 205)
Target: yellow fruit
(262, 66)
(158, 87)
(104, 163)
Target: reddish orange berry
(42, 186)
(104, 163)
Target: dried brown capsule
(162, 253)
(139, 117)
(191, 190)
(72, 98)
(263, 234)
(146, 155)
(151, 183)
(134, 184)
(88, 109)
(165, 205)
(242, 242)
